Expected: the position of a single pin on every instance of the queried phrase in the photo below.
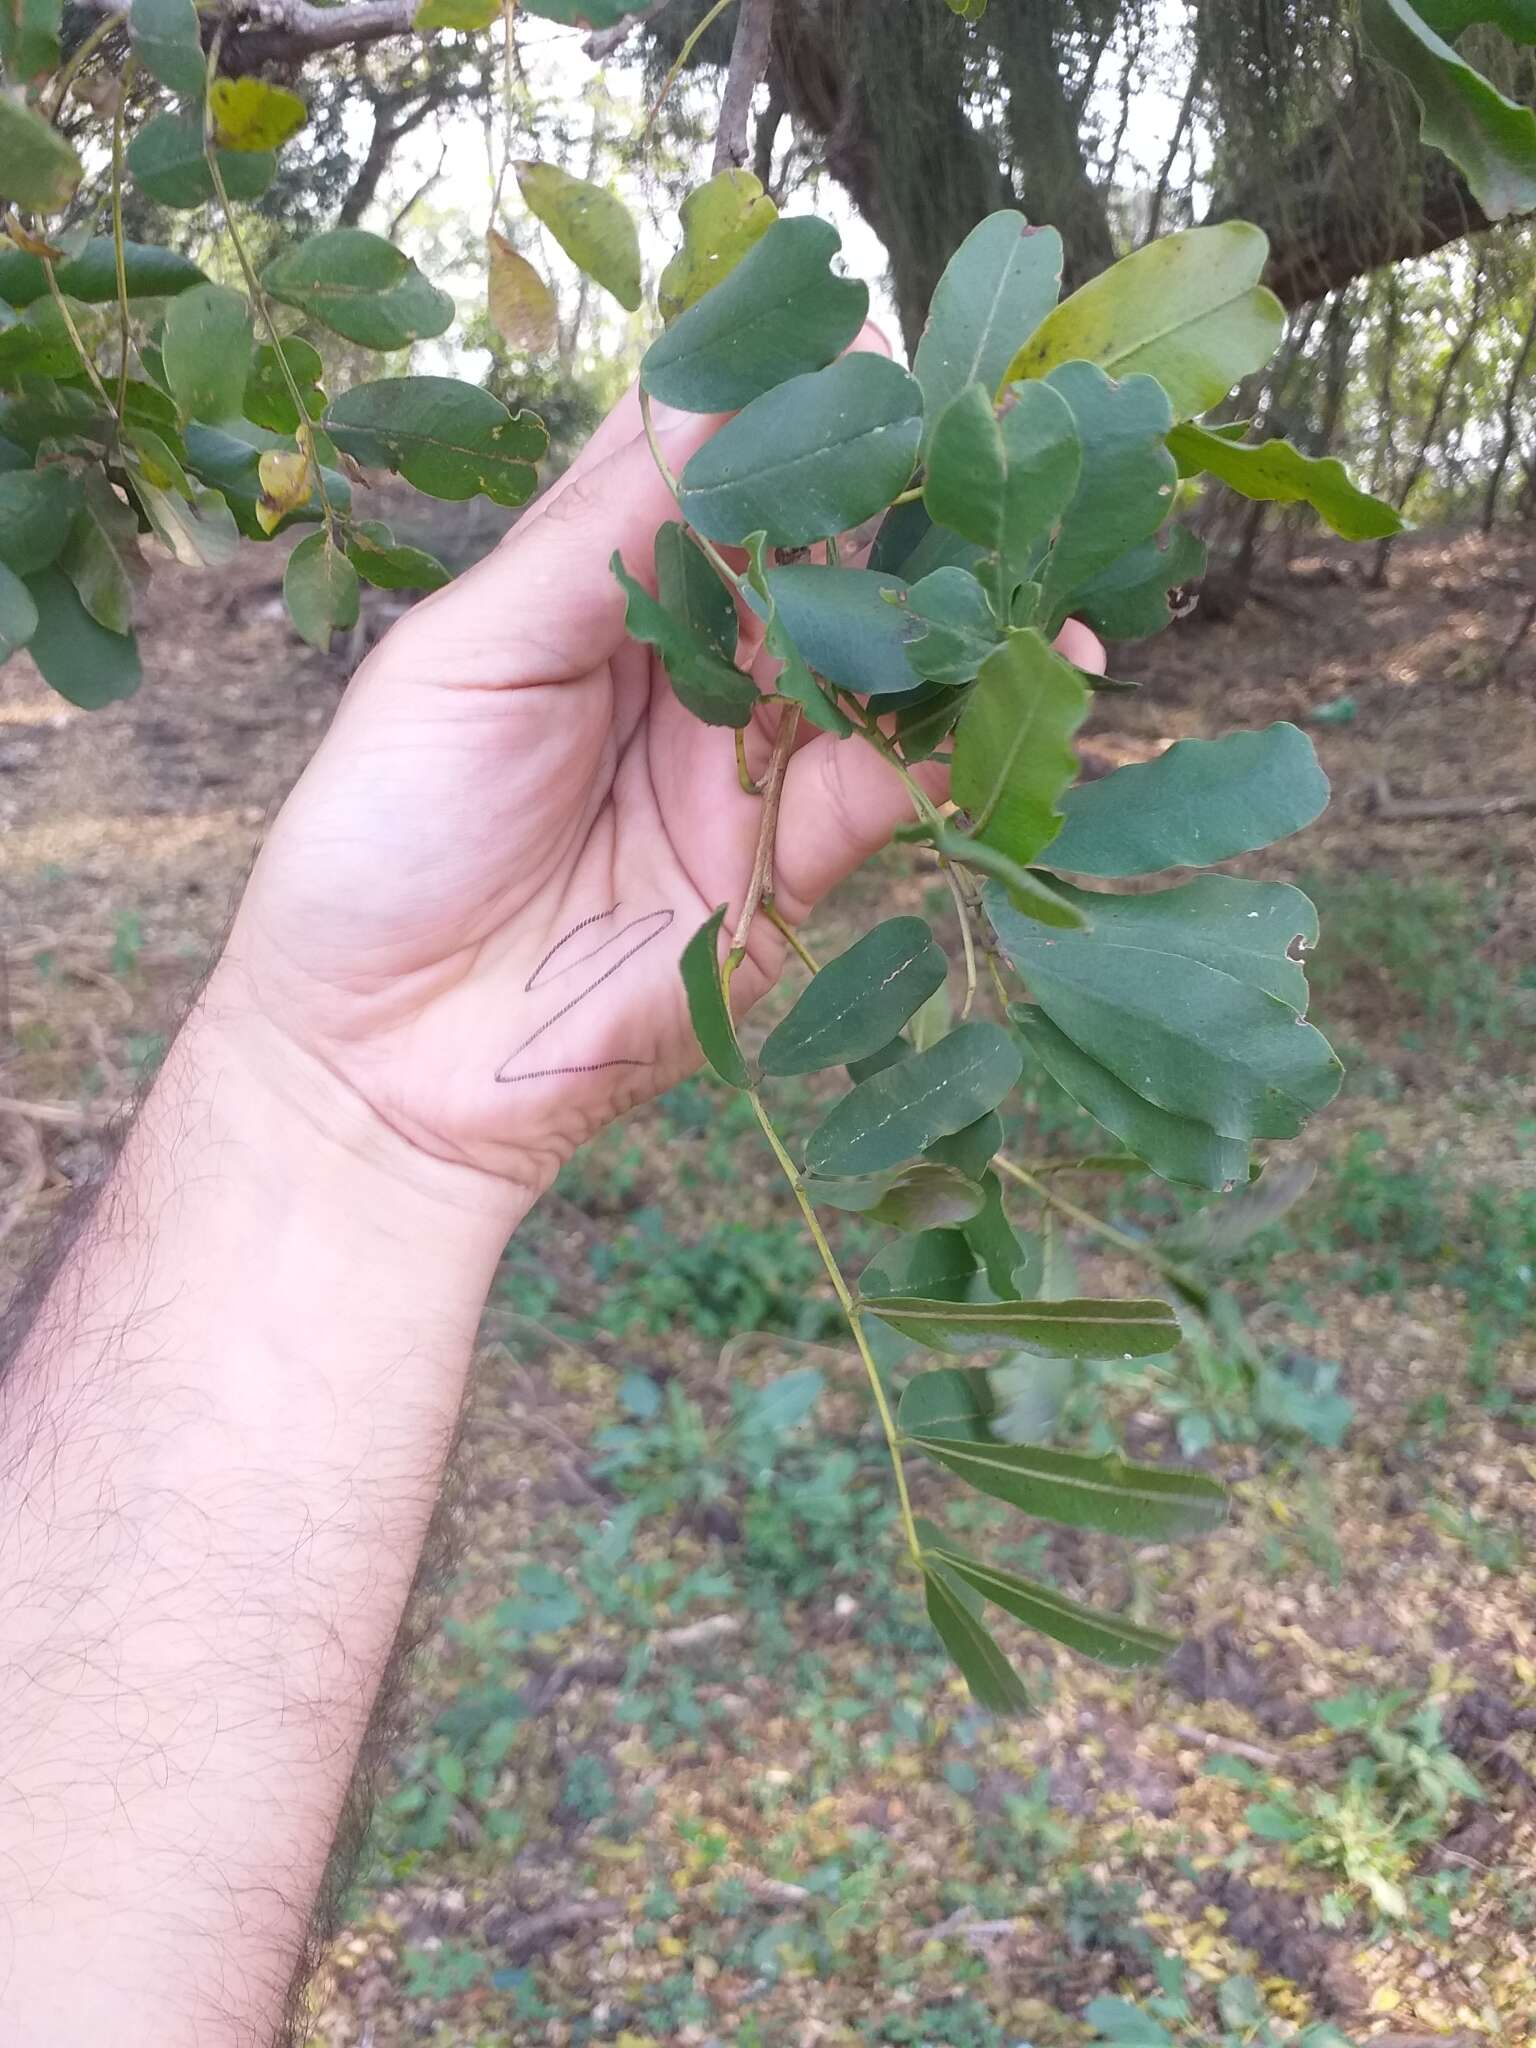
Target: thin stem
(910, 497)
(743, 773)
(1134, 1247)
(304, 439)
(761, 883)
(669, 478)
(791, 937)
(695, 36)
(68, 318)
(850, 1308)
(963, 909)
(124, 324)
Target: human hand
(471, 909)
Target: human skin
(223, 1432)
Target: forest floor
(683, 1763)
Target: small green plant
(1175, 2017)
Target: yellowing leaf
(721, 221)
(250, 114)
(284, 475)
(595, 229)
(520, 303)
(1386, 1998)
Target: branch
(604, 41)
(749, 60)
(287, 30)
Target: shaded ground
(685, 1765)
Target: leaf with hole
(1190, 996)
(320, 589)
(168, 163)
(593, 226)
(898, 1113)
(166, 40)
(76, 655)
(1013, 748)
(782, 312)
(250, 114)
(91, 277)
(813, 457)
(1277, 473)
(1126, 485)
(859, 1001)
(1075, 1329)
(38, 168)
(993, 1681)
(1110, 1639)
(1178, 1148)
(997, 288)
(721, 221)
(710, 685)
(1187, 309)
(361, 288)
(520, 304)
(448, 438)
(1200, 802)
(206, 348)
(1129, 600)
(1490, 138)
(712, 1024)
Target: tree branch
(603, 42)
(749, 60)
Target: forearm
(220, 1447)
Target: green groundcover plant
(906, 544)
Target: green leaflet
(166, 42)
(712, 1024)
(898, 1113)
(166, 161)
(1178, 1148)
(1517, 18)
(91, 277)
(1129, 599)
(998, 286)
(1031, 893)
(447, 438)
(811, 458)
(1492, 139)
(721, 221)
(709, 683)
(858, 1001)
(794, 680)
(958, 630)
(1188, 310)
(36, 509)
(937, 1265)
(844, 626)
(321, 590)
(1011, 1263)
(1191, 997)
(1278, 473)
(362, 288)
(29, 38)
(374, 554)
(971, 1150)
(1013, 752)
(1075, 1329)
(81, 659)
(18, 613)
(993, 1681)
(690, 588)
(594, 228)
(268, 402)
(780, 313)
(926, 1196)
(206, 349)
(1144, 1502)
(1127, 479)
(228, 457)
(953, 1401)
(1108, 1638)
(1003, 481)
(1200, 802)
(101, 555)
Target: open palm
(473, 904)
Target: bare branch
(283, 31)
(604, 41)
(749, 60)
